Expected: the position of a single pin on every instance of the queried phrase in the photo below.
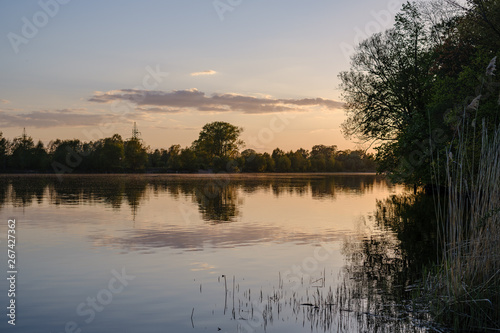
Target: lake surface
(192, 253)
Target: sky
(74, 69)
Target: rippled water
(188, 253)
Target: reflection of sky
(279, 211)
(67, 251)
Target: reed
(464, 290)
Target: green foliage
(188, 160)
(41, 158)
(323, 158)
(23, 153)
(283, 164)
(112, 154)
(218, 141)
(155, 160)
(136, 156)
(253, 162)
(173, 157)
(109, 154)
(270, 163)
(408, 87)
(4, 151)
(388, 83)
(298, 162)
(70, 153)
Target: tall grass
(465, 289)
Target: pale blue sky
(275, 58)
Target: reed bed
(465, 288)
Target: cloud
(4, 101)
(209, 72)
(179, 127)
(56, 118)
(183, 100)
(157, 109)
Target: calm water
(240, 253)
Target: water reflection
(218, 204)
(388, 260)
(383, 267)
(4, 186)
(373, 291)
(215, 199)
(412, 219)
(25, 190)
(217, 196)
(190, 230)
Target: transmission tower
(135, 132)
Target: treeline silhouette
(115, 155)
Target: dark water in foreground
(240, 253)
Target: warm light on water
(233, 248)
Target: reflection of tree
(217, 202)
(110, 193)
(74, 190)
(383, 266)
(25, 189)
(4, 187)
(134, 191)
(254, 185)
(215, 195)
(324, 187)
(290, 185)
(360, 184)
(71, 191)
(376, 264)
(413, 220)
(376, 285)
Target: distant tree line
(111, 154)
(217, 149)
(320, 159)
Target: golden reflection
(217, 196)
